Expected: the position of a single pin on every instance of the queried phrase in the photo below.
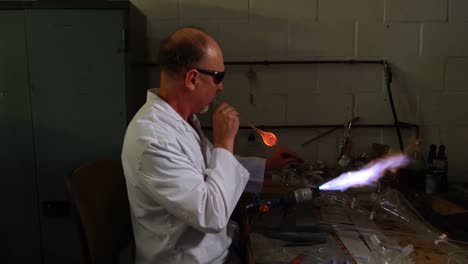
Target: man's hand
(281, 157)
(225, 126)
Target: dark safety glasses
(217, 75)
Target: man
(182, 189)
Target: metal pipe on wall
(388, 81)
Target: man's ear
(191, 79)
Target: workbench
(309, 213)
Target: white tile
(445, 39)
(286, 79)
(318, 109)
(284, 10)
(256, 40)
(215, 10)
(361, 10)
(381, 40)
(417, 10)
(308, 39)
(419, 73)
(347, 78)
(457, 75)
(459, 10)
(158, 9)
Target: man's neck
(177, 102)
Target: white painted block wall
(426, 42)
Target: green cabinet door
(19, 224)
(78, 91)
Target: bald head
(183, 49)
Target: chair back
(99, 194)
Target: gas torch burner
(285, 201)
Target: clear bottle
(417, 157)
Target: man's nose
(220, 87)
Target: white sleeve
(256, 168)
(204, 201)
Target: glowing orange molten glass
(268, 138)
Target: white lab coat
(181, 190)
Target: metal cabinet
(19, 221)
(66, 95)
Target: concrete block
(256, 40)
(211, 27)
(158, 9)
(430, 109)
(243, 147)
(293, 138)
(270, 110)
(309, 39)
(419, 73)
(373, 108)
(284, 10)
(286, 79)
(363, 138)
(158, 31)
(416, 10)
(406, 105)
(237, 10)
(390, 138)
(455, 140)
(383, 40)
(443, 109)
(327, 148)
(456, 78)
(445, 39)
(360, 10)
(319, 109)
(237, 90)
(430, 135)
(254, 106)
(154, 77)
(347, 78)
(459, 10)
(454, 109)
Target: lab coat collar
(157, 102)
